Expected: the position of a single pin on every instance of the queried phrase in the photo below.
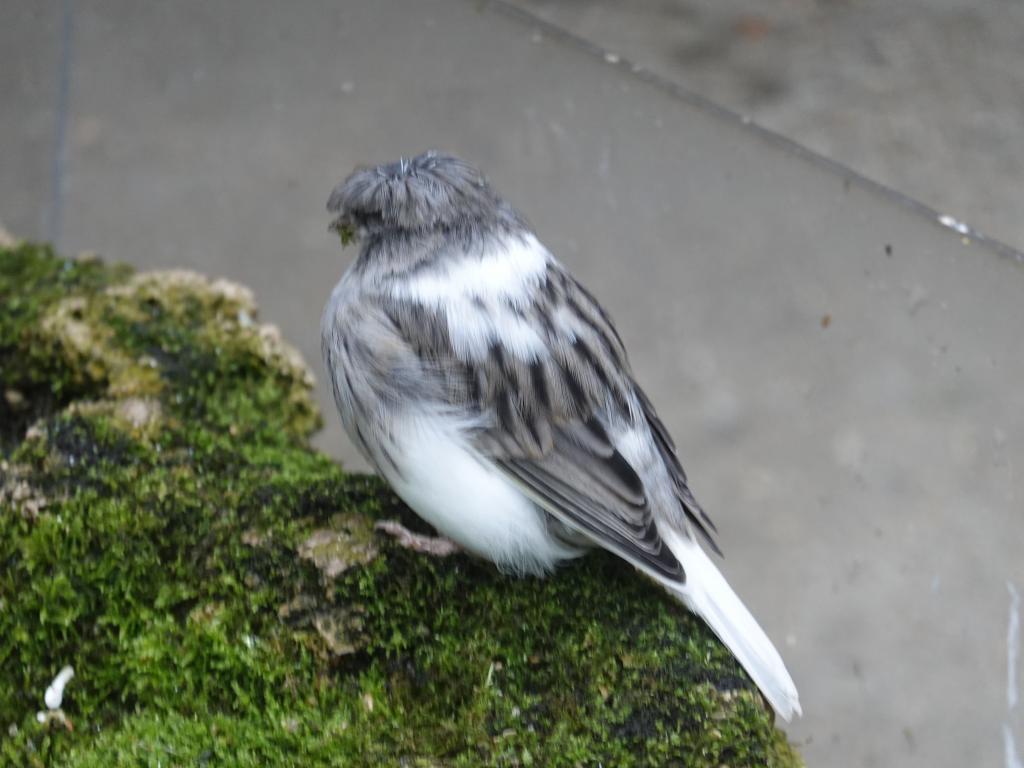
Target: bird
(493, 393)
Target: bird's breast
(464, 496)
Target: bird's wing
(547, 375)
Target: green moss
(217, 586)
(34, 378)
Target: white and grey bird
(493, 393)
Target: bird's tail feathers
(707, 594)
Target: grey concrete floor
(925, 96)
(840, 370)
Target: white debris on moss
(54, 695)
(53, 699)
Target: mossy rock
(219, 589)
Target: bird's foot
(438, 546)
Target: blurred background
(814, 308)
(924, 96)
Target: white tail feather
(707, 594)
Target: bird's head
(429, 192)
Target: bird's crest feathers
(427, 191)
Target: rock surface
(217, 586)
